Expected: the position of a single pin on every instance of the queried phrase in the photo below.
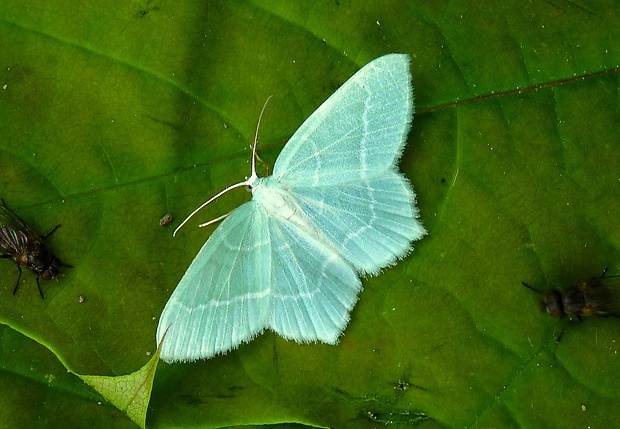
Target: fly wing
(10, 219)
(601, 296)
(14, 233)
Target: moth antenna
(260, 117)
(219, 194)
(246, 182)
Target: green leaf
(116, 113)
(37, 391)
(129, 393)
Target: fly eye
(47, 275)
(553, 302)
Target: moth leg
(264, 164)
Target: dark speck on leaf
(165, 220)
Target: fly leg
(19, 277)
(39, 286)
(51, 232)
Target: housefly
(20, 243)
(597, 296)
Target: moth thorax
(273, 200)
(253, 182)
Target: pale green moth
(336, 207)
